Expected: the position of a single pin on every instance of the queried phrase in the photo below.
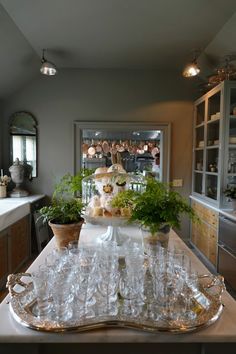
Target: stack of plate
(232, 139)
(201, 144)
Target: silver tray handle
(215, 284)
(15, 279)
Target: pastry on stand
(101, 187)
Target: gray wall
(102, 95)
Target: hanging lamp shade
(47, 67)
(191, 69)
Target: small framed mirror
(23, 139)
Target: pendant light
(191, 69)
(47, 68)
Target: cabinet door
(3, 257)
(212, 246)
(207, 145)
(204, 237)
(19, 243)
(204, 233)
(230, 148)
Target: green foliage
(158, 206)
(124, 199)
(63, 211)
(230, 192)
(65, 207)
(71, 185)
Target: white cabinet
(214, 149)
(229, 170)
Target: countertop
(226, 212)
(13, 209)
(223, 330)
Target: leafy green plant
(155, 207)
(124, 199)
(66, 207)
(63, 211)
(71, 185)
(230, 192)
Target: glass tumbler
(41, 282)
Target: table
(208, 340)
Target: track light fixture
(47, 68)
(191, 69)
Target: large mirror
(142, 147)
(23, 139)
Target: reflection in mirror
(23, 132)
(134, 150)
(138, 146)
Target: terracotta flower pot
(64, 233)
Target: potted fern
(157, 209)
(64, 214)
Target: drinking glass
(41, 282)
(131, 288)
(191, 287)
(62, 291)
(107, 287)
(84, 290)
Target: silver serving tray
(206, 304)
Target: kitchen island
(220, 335)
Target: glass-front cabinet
(230, 140)
(214, 150)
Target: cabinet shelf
(217, 152)
(198, 171)
(211, 173)
(199, 125)
(212, 147)
(212, 121)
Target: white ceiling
(156, 34)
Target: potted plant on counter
(64, 215)
(156, 210)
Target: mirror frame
(165, 128)
(11, 120)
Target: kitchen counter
(13, 209)
(226, 212)
(224, 330)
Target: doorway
(138, 147)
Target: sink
(11, 210)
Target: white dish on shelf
(232, 139)
(216, 142)
(201, 144)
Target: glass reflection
(23, 133)
(135, 151)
